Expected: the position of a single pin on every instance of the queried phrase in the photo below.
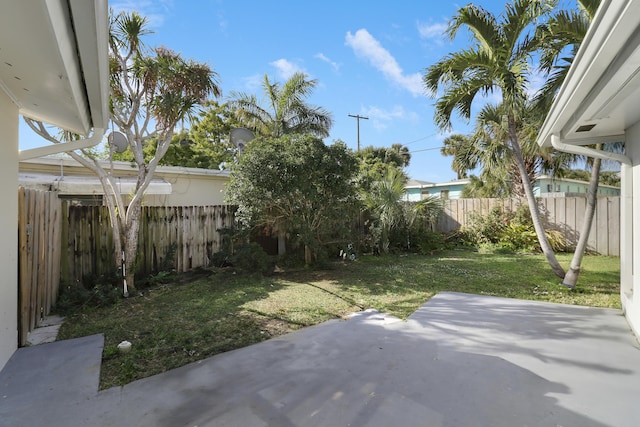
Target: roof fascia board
(61, 24)
(92, 37)
(128, 166)
(609, 18)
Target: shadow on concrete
(461, 360)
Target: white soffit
(600, 97)
(54, 61)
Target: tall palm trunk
(533, 205)
(571, 278)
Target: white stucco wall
(9, 225)
(630, 235)
(206, 188)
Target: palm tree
(464, 152)
(486, 148)
(286, 113)
(498, 59)
(403, 153)
(566, 30)
(384, 202)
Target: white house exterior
(53, 68)
(600, 102)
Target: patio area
(460, 360)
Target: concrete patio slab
(460, 360)
(38, 382)
(46, 332)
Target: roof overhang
(598, 100)
(87, 185)
(54, 61)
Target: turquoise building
(418, 190)
(545, 186)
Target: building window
(444, 194)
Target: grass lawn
(175, 324)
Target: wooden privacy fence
(176, 237)
(565, 214)
(39, 231)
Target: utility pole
(358, 117)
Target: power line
(421, 139)
(425, 149)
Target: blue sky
(368, 58)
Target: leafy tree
(492, 186)
(374, 163)
(152, 91)
(205, 145)
(610, 178)
(286, 113)
(487, 148)
(298, 187)
(464, 152)
(498, 59)
(564, 31)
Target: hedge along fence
(565, 214)
(177, 237)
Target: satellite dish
(240, 137)
(118, 141)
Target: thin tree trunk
(308, 255)
(131, 242)
(571, 278)
(533, 206)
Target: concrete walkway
(460, 360)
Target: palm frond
(480, 22)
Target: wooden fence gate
(39, 230)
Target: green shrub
(429, 241)
(247, 257)
(518, 236)
(250, 257)
(92, 291)
(506, 231)
(482, 230)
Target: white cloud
(323, 57)
(286, 68)
(381, 118)
(432, 31)
(367, 47)
(254, 82)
